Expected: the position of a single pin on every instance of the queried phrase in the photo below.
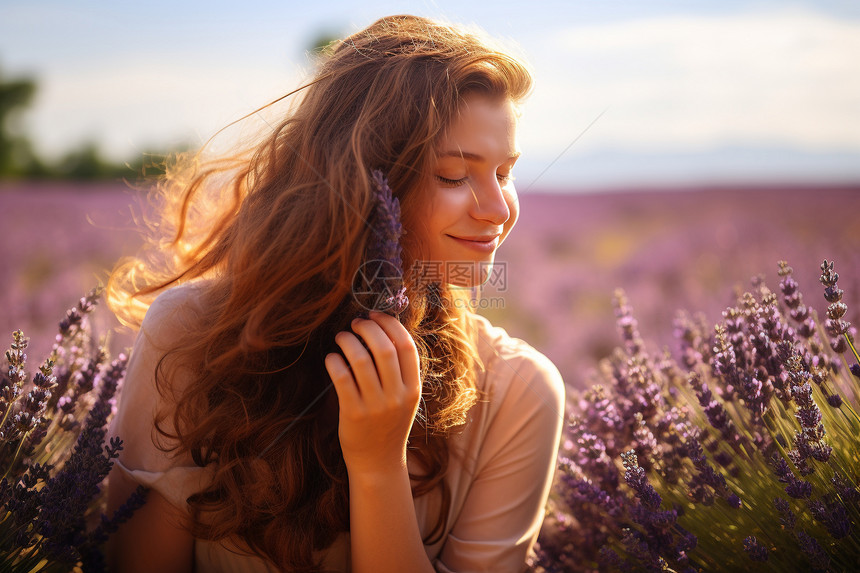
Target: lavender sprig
(755, 550)
(56, 423)
(12, 383)
(383, 264)
(61, 518)
(836, 327)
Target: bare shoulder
(174, 313)
(158, 372)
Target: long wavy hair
(275, 233)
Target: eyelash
(458, 182)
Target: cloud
(780, 79)
(671, 86)
(141, 104)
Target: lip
(485, 244)
(479, 238)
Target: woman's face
(472, 203)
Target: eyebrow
(473, 156)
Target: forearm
(384, 534)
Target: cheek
(445, 209)
(419, 225)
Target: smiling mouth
(477, 239)
(485, 245)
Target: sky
(627, 93)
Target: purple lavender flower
(809, 442)
(602, 414)
(690, 334)
(796, 488)
(649, 411)
(383, 264)
(637, 546)
(786, 516)
(836, 327)
(707, 480)
(799, 489)
(46, 509)
(581, 491)
(634, 475)
(66, 497)
(610, 557)
(74, 319)
(845, 489)
(755, 550)
(638, 388)
(715, 412)
(81, 381)
(818, 557)
(627, 324)
(30, 415)
(833, 516)
(11, 384)
(643, 439)
(793, 299)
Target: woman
(436, 448)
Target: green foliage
(15, 149)
(323, 42)
(19, 160)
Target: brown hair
(279, 230)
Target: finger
(344, 383)
(384, 353)
(363, 369)
(407, 353)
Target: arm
(384, 534)
(504, 510)
(378, 398)
(155, 538)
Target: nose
(489, 201)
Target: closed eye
(457, 182)
(451, 182)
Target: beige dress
(499, 480)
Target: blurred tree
(16, 153)
(88, 163)
(322, 42)
(18, 158)
(85, 162)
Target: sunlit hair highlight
(274, 234)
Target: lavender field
(669, 249)
(59, 241)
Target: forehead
(482, 125)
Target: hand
(378, 402)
